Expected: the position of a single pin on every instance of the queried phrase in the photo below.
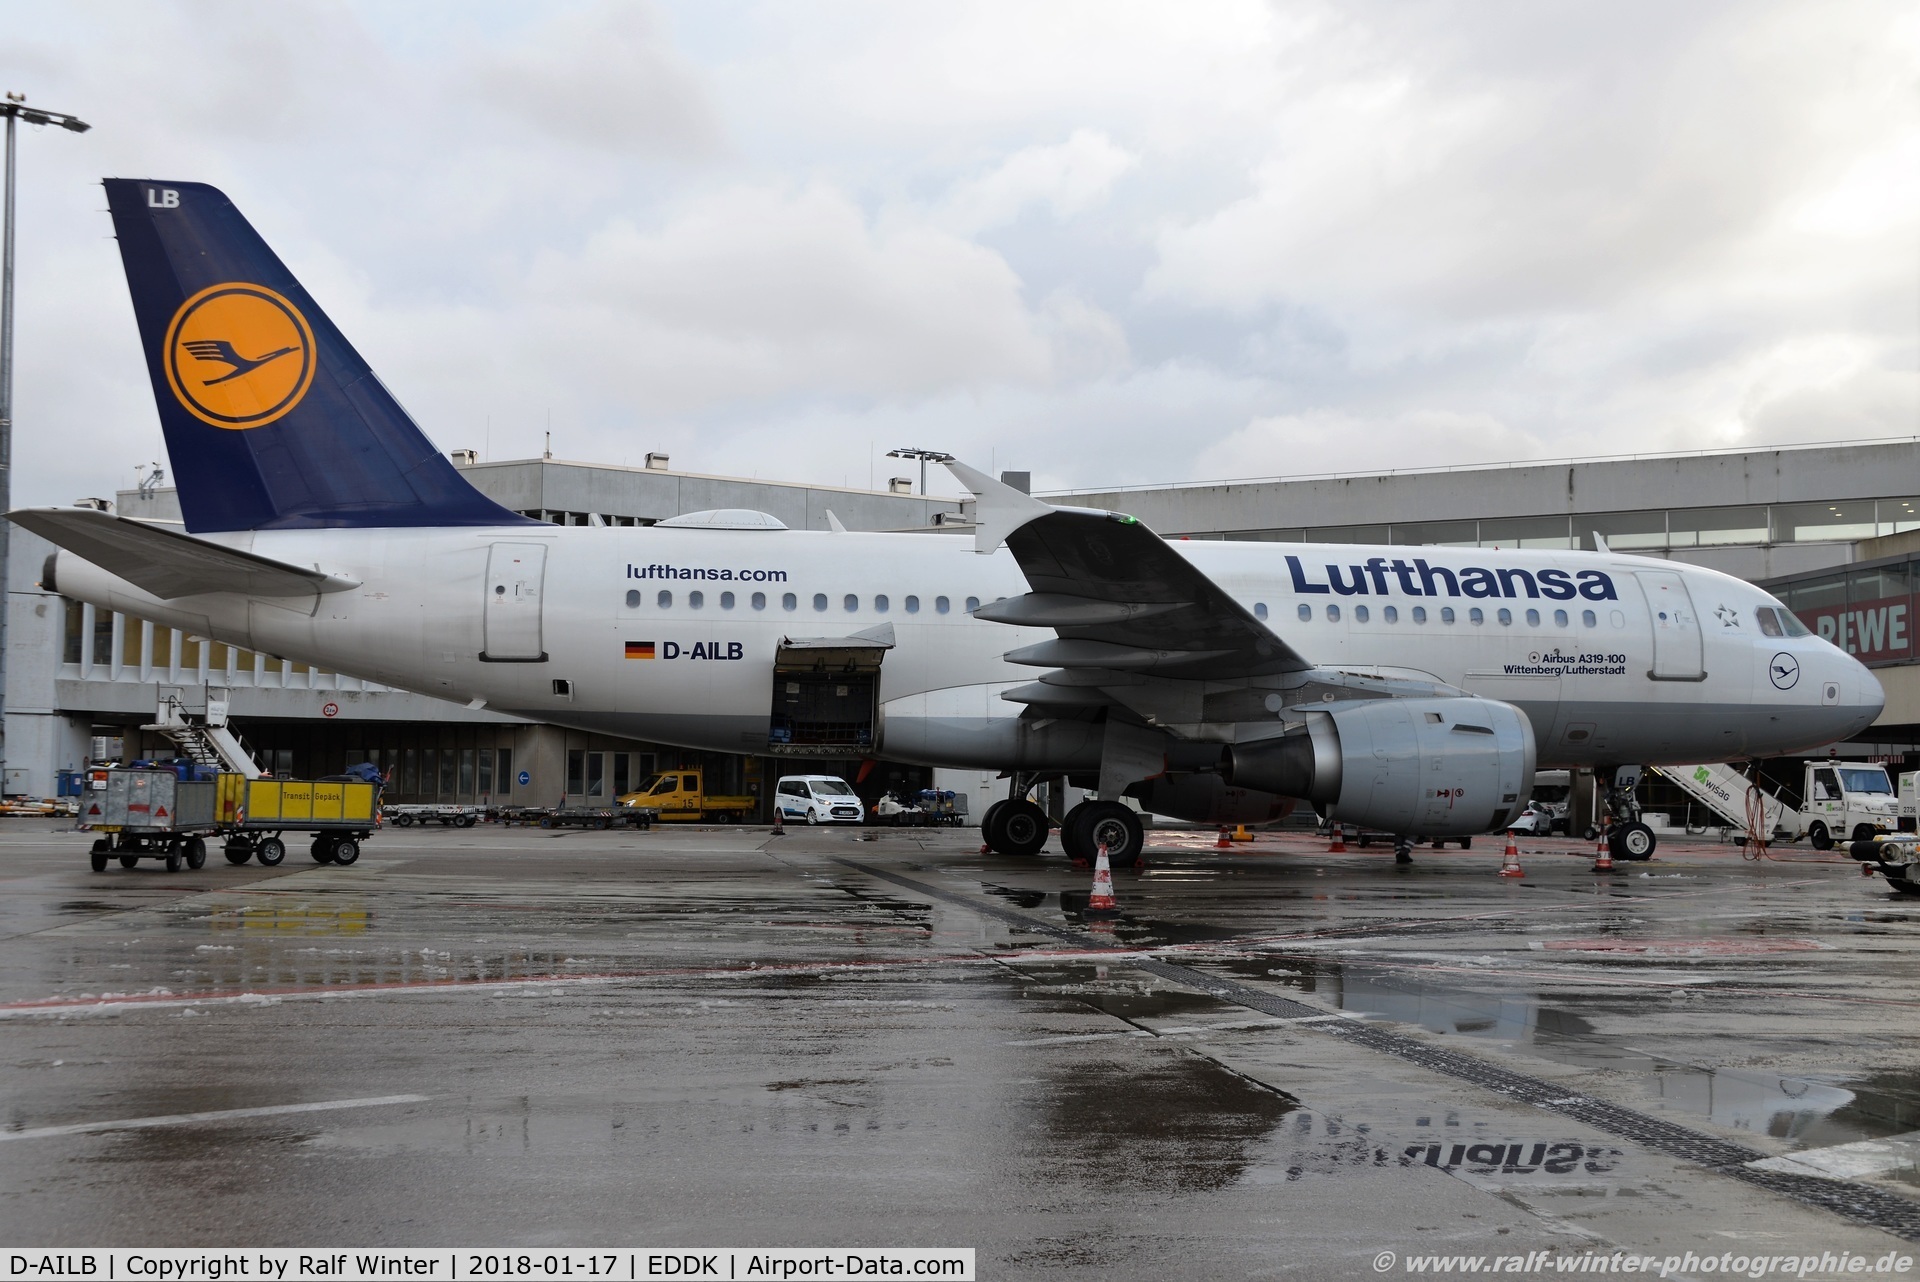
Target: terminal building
(1833, 530)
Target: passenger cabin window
(1588, 619)
(940, 605)
(1419, 614)
(1333, 614)
(1533, 618)
(1360, 614)
(726, 600)
(880, 603)
(851, 603)
(1306, 613)
(633, 598)
(1260, 610)
(789, 602)
(696, 599)
(1476, 616)
(1446, 614)
(819, 600)
(973, 603)
(1389, 614)
(759, 600)
(664, 600)
(1505, 616)
(913, 605)
(1559, 618)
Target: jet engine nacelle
(1209, 799)
(1413, 767)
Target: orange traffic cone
(1101, 902)
(1339, 844)
(1510, 861)
(1603, 854)
(779, 822)
(1225, 842)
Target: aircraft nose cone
(1869, 697)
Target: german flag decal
(639, 649)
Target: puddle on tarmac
(1807, 1112)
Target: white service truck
(1837, 801)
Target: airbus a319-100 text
(1408, 690)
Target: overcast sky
(1110, 243)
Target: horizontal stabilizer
(167, 562)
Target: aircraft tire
(1634, 841)
(270, 851)
(1818, 837)
(1119, 827)
(1073, 834)
(988, 822)
(1022, 830)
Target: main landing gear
(1015, 826)
(1093, 824)
(1627, 837)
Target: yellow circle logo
(239, 356)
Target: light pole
(15, 109)
(925, 457)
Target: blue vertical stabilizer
(272, 420)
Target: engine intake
(1412, 767)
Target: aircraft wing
(1119, 596)
(169, 563)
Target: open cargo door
(826, 693)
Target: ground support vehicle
(1836, 802)
(590, 817)
(1896, 857)
(254, 816)
(151, 814)
(818, 799)
(452, 816)
(681, 796)
(942, 806)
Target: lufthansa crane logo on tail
(239, 355)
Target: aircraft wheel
(989, 819)
(1634, 841)
(1022, 830)
(129, 861)
(270, 851)
(1466, 843)
(97, 858)
(1118, 828)
(1073, 834)
(195, 851)
(345, 851)
(1818, 836)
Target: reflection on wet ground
(769, 1042)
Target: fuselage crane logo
(238, 356)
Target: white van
(818, 799)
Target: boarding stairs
(200, 733)
(1735, 798)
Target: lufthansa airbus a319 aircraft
(1408, 690)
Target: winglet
(1000, 509)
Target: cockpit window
(1770, 622)
(1794, 627)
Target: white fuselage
(1613, 658)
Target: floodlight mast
(925, 457)
(14, 108)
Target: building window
(596, 774)
(410, 772)
(76, 631)
(576, 771)
(505, 756)
(466, 772)
(622, 774)
(486, 772)
(447, 777)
